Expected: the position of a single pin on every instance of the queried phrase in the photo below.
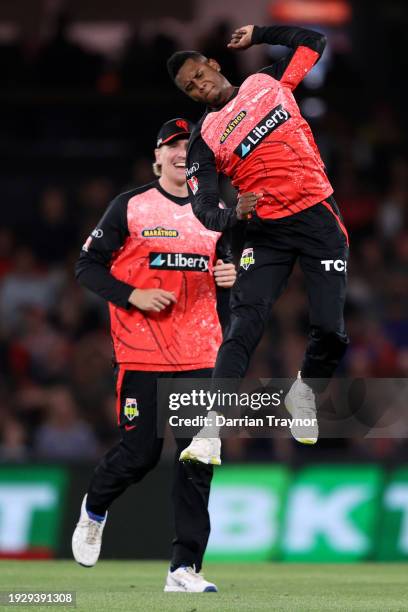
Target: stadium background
(84, 90)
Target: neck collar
(176, 199)
(217, 108)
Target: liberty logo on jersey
(276, 117)
(179, 261)
(247, 258)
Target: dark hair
(175, 62)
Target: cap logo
(182, 124)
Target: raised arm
(307, 47)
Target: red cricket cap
(175, 128)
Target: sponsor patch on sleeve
(194, 168)
(87, 244)
(193, 184)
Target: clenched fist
(246, 204)
(154, 300)
(241, 38)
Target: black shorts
(317, 238)
(137, 401)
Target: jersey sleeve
(223, 248)
(92, 268)
(202, 181)
(307, 48)
(223, 307)
(223, 251)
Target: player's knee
(247, 325)
(328, 340)
(250, 310)
(135, 463)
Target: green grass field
(134, 585)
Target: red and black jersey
(260, 139)
(151, 239)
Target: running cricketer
(256, 135)
(160, 271)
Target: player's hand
(225, 274)
(154, 300)
(246, 204)
(241, 38)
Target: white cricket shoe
(87, 538)
(205, 447)
(203, 450)
(300, 403)
(187, 580)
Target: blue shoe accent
(210, 589)
(95, 517)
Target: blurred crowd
(57, 61)
(56, 382)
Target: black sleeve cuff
(127, 291)
(98, 279)
(257, 34)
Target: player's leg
(191, 490)
(190, 495)
(128, 462)
(139, 448)
(324, 263)
(325, 270)
(263, 275)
